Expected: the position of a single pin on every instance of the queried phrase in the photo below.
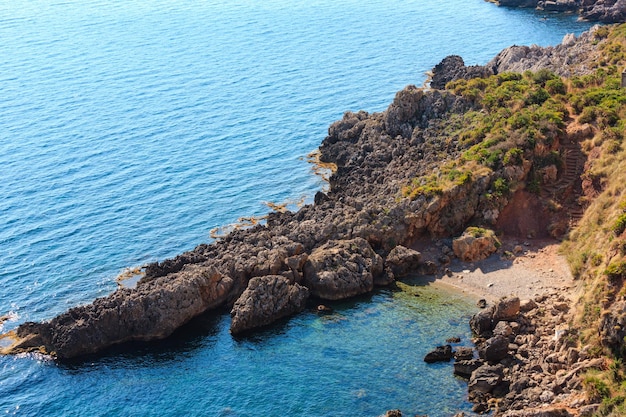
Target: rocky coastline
(365, 232)
(605, 11)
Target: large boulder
(506, 309)
(486, 378)
(265, 300)
(481, 323)
(475, 244)
(342, 269)
(401, 261)
(494, 349)
(439, 354)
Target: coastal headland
(487, 164)
(610, 11)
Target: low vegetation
(519, 120)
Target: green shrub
(601, 33)
(513, 156)
(588, 115)
(537, 96)
(596, 388)
(542, 76)
(556, 86)
(501, 187)
(552, 158)
(616, 270)
(620, 225)
(613, 146)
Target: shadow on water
(201, 332)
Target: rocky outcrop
(342, 269)
(573, 56)
(439, 354)
(475, 244)
(147, 313)
(266, 300)
(606, 11)
(453, 68)
(613, 326)
(528, 360)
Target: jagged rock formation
(606, 11)
(573, 56)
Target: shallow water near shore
(129, 130)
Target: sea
(130, 129)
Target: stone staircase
(573, 164)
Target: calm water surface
(130, 129)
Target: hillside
(565, 133)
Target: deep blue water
(130, 129)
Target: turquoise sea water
(130, 129)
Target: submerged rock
(439, 354)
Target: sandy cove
(535, 270)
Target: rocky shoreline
(364, 233)
(605, 11)
(525, 362)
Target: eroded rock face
(265, 300)
(147, 313)
(613, 326)
(470, 246)
(342, 269)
